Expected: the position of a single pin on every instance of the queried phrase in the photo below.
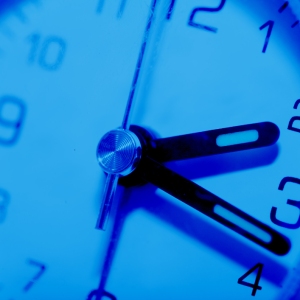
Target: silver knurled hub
(119, 152)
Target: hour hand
(213, 206)
(217, 141)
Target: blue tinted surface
(201, 82)
(193, 80)
(63, 62)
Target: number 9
(12, 113)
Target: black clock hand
(215, 141)
(213, 206)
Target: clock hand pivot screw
(119, 152)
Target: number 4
(254, 286)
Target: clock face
(66, 73)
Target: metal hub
(119, 152)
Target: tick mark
(295, 24)
(170, 9)
(100, 6)
(283, 7)
(121, 9)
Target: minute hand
(216, 141)
(213, 206)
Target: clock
(206, 93)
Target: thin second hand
(112, 179)
(128, 110)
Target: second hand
(112, 179)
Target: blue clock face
(224, 72)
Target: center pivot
(119, 152)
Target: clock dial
(67, 70)
(215, 67)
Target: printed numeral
(291, 125)
(197, 10)
(294, 203)
(47, 52)
(37, 276)
(12, 114)
(269, 24)
(255, 286)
